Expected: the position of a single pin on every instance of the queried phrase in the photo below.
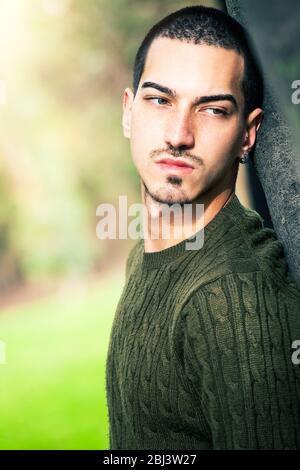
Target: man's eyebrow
(158, 87)
(220, 97)
(199, 100)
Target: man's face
(189, 107)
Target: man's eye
(158, 98)
(216, 111)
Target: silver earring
(244, 158)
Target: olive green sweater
(200, 352)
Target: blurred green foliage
(52, 392)
(65, 64)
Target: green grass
(52, 387)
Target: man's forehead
(183, 65)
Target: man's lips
(174, 166)
(171, 161)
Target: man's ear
(127, 112)
(254, 121)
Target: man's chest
(141, 361)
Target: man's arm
(236, 353)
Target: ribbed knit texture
(200, 348)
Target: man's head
(197, 94)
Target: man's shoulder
(244, 246)
(240, 308)
(238, 296)
(245, 277)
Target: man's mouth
(176, 165)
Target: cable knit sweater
(200, 352)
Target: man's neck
(163, 232)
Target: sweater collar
(157, 259)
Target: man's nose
(179, 130)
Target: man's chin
(168, 196)
(170, 199)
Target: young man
(201, 348)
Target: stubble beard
(176, 196)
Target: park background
(63, 67)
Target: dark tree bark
(275, 34)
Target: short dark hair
(210, 26)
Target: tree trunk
(275, 35)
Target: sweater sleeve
(236, 354)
